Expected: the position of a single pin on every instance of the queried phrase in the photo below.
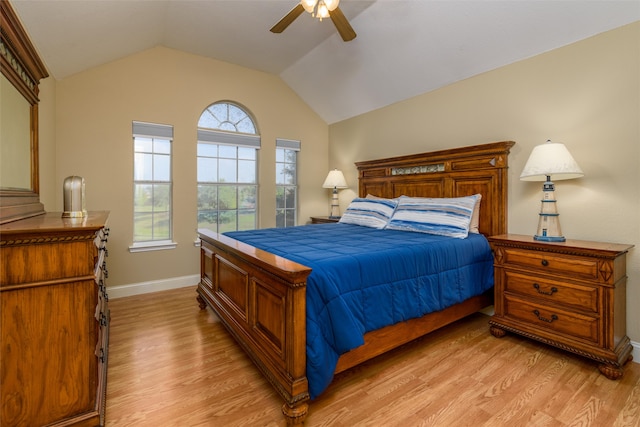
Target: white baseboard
(636, 351)
(152, 286)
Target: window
(286, 182)
(227, 169)
(152, 186)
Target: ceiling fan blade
(342, 25)
(288, 19)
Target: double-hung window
(152, 187)
(227, 169)
(286, 182)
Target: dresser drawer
(565, 265)
(552, 319)
(557, 292)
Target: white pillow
(442, 216)
(374, 213)
(474, 225)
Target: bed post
(295, 414)
(261, 299)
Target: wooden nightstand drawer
(553, 291)
(552, 318)
(568, 266)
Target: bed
(261, 296)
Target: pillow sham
(474, 225)
(371, 196)
(374, 213)
(441, 216)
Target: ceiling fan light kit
(318, 9)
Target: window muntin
(227, 169)
(152, 185)
(228, 117)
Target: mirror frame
(21, 65)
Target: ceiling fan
(318, 9)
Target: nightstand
(571, 295)
(323, 219)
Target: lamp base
(549, 238)
(335, 205)
(548, 219)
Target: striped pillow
(441, 216)
(374, 213)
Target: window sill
(152, 246)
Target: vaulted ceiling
(403, 48)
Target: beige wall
(92, 127)
(586, 95)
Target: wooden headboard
(447, 173)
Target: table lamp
(548, 161)
(335, 179)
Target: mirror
(22, 71)
(15, 123)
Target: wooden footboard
(261, 299)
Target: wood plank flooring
(171, 364)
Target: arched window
(228, 145)
(227, 116)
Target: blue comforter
(363, 279)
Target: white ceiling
(403, 48)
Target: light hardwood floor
(171, 364)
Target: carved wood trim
(46, 240)
(606, 270)
(19, 62)
(624, 344)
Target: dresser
(571, 295)
(54, 330)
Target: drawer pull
(540, 291)
(544, 319)
(544, 262)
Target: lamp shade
(335, 179)
(550, 159)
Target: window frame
(154, 132)
(294, 146)
(226, 136)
